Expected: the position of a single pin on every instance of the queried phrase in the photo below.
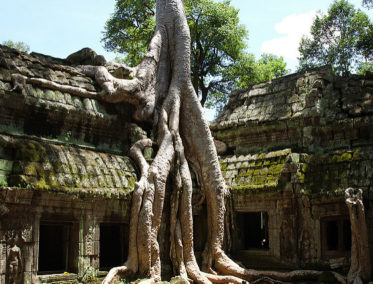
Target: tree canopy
(341, 38)
(246, 71)
(368, 4)
(21, 46)
(219, 61)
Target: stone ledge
(58, 278)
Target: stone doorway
(113, 245)
(56, 252)
(253, 227)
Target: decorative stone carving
(26, 233)
(89, 243)
(14, 261)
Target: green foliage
(267, 67)
(3, 183)
(67, 137)
(217, 38)
(219, 62)
(21, 46)
(247, 71)
(342, 38)
(130, 29)
(365, 67)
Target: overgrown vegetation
(19, 45)
(342, 38)
(220, 62)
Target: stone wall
(63, 117)
(63, 165)
(293, 145)
(309, 112)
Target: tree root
(162, 91)
(360, 269)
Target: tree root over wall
(360, 269)
(162, 92)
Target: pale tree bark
(360, 269)
(163, 93)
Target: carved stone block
(89, 248)
(27, 234)
(2, 267)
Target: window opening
(336, 236)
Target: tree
(360, 269)
(21, 46)
(341, 38)
(161, 90)
(247, 71)
(217, 39)
(368, 3)
(217, 42)
(267, 67)
(365, 67)
(130, 29)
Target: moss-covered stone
(30, 151)
(331, 173)
(44, 166)
(254, 172)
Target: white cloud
(293, 28)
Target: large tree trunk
(163, 93)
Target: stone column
(32, 264)
(88, 247)
(28, 252)
(2, 255)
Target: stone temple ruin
(288, 149)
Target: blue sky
(61, 27)
(277, 26)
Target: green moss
(329, 173)
(262, 156)
(300, 176)
(41, 184)
(131, 181)
(340, 158)
(258, 163)
(304, 168)
(3, 182)
(254, 187)
(30, 151)
(241, 173)
(259, 180)
(249, 172)
(275, 169)
(252, 164)
(30, 169)
(223, 166)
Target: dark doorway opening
(253, 227)
(336, 236)
(332, 235)
(54, 244)
(113, 245)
